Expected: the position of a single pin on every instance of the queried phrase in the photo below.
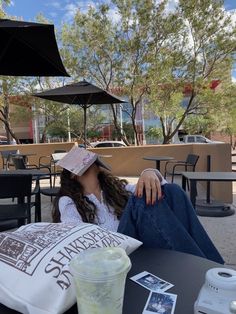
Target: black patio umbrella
(29, 49)
(83, 94)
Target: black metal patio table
(158, 160)
(186, 272)
(194, 177)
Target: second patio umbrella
(83, 94)
(29, 49)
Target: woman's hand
(152, 185)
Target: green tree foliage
(9, 86)
(143, 29)
(155, 58)
(203, 55)
(221, 116)
(224, 116)
(154, 132)
(117, 53)
(91, 50)
(3, 4)
(96, 118)
(71, 120)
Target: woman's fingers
(159, 191)
(139, 188)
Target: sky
(58, 11)
(63, 10)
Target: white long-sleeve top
(105, 217)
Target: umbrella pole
(85, 125)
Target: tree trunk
(135, 131)
(43, 137)
(117, 126)
(5, 115)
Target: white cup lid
(99, 263)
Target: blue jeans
(171, 223)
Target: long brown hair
(114, 194)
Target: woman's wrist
(157, 173)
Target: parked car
(108, 144)
(3, 142)
(197, 139)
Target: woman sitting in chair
(153, 211)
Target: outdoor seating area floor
(221, 230)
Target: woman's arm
(68, 211)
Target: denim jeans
(171, 223)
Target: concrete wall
(128, 161)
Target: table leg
(208, 195)
(21, 222)
(193, 191)
(38, 207)
(184, 180)
(158, 165)
(37, 202)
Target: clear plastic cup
(99, 276)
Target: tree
(9, 87)
(3, 3)
(114, 53)
(224, 118)
(143, 27)
(71, 120)
(129, 53)
(201, 52)
(154, 132)
(164, 61)
(96, 118)
(90, 47)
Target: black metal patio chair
(19, 187)
(7, 158)
(48, 160)
(175, 167)
(19, 163)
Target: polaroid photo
(160, 303)
(151, 282)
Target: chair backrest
(58, 156)
(49, 161)
(19, 162)
(192, 160)
(6, 157)
(15, 185)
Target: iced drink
(99, 276)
